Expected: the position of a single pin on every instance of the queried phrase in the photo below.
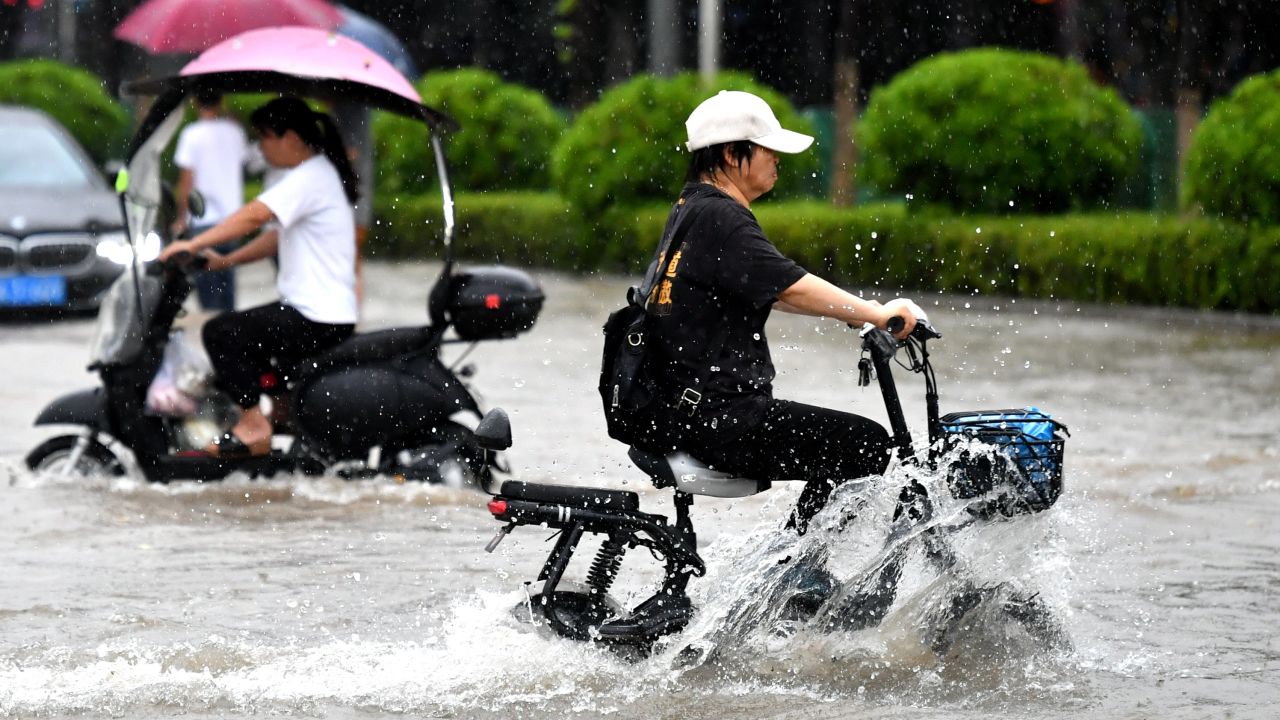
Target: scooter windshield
(117, 339)
(130, 302)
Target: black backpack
(636, 411)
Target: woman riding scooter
(707, 345)
(316, 246)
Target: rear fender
(84, 407)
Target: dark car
(62, 240)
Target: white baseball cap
(732, 115)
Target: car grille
(8, 254)
(48, 253)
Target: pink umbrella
(177, 26)
(302, 53)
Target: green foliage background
(1233, 165)
(75, 98)
(994, 130)
(628, 147)
(1103, 257)
(506, 135)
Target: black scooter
(999, 463)
(381, 402)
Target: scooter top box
(493, 302)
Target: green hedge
(504, 142)
(628, 147)
(1233, 164)
(73, 97)
(1099, 257)
(998, 131)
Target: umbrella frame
(141, 199)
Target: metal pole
(664, 38)
(708, 39)
(67, 31)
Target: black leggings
(242, 344)
(804, 442)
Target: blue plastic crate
(1027, 466)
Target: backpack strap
(690, 397)
(663, 255)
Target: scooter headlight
(114, 246)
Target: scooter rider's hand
(216, 261)
(899, 307)
(177, 247)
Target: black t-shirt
(722, 280)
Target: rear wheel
(52, 457)
(572, 611)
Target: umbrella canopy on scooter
(289, 60)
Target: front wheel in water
(55, 457)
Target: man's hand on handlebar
(899, 317)
(175, 248)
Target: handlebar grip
(895, 325)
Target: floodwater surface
(318, 597)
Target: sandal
(230, 447)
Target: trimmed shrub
(628, 147)
(504, 143)
(1100, 257)
(999, 131)
(73, 97)
(522, 228)
(1233, 164)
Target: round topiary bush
(1233, 165)
(998, 131)
(73, 97)
(506, 135)
(628, 147)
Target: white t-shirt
(317, 248)
(215, 152)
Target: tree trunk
(1191, 70)
(844, 101)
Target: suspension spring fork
(608, 560)
(77, 451)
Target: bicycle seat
(573, 496)
(686, 473)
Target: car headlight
(114, 246)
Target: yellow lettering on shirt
(675, 261)
(664, 293)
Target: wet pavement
(328, 598)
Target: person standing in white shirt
(211, 156)
(316, 247)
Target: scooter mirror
(195, 204)
(494, 430)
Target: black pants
(242, 344)
(802, 442)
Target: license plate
(29, 290)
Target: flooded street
(318, 597)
